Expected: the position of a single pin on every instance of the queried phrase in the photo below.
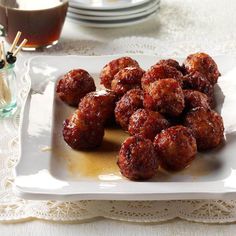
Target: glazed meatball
(81, 133)
(194, 99)
(147, 123)
(176, 147)
(74, 85)
(108, 72)
(207, 127)
(126, 79)
(127, 105)
(196, 81)
(172, 63)
(204, 64)
(165, 96)
(137, 158)
(158, 72)
(98, 106)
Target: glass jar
(8, 91)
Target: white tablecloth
(116, 228)
(207, 37)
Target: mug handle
(2, 31)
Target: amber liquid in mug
(40, 21)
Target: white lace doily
(207, 25)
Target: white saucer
(121, 12)
(112, 24)
(106, 4)
(112, 18)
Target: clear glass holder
(8, 91)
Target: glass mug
(8, 91)
(40, 21)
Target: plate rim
(114, 13)
(108, 8)
(129, 22)
(147, 12)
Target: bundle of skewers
(7, 59)
(10, 56)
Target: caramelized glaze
(99, 163)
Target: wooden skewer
(20, 47)
(2, 101)
(15, 41)
(3, 51)
(2, 63)
(5, 92)
(0, 53)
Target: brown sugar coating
(147, 123)
(206, 126)
(127, 105)
(194, 99)
(172, 63)
(98, 106)
(158, 72)
(75, 85)
(126, 79)
(196, 81)
(204, 64)
(81, 133)
(109, 70)
(165, 96)
(137, 159)
(176, 147)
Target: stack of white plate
(111, 13)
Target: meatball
(172, 63)
(147, 123)
(194, 99)
(137, 158)
(158, 72)
(196, 81)
(165, 96)
(176, 147)
(126, 79)
(108, 72)
(127, 105)
(98, 106)
(74, 85)
(204, 64)
(207, 127)
(81, 133)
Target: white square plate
(52, 173)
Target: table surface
(105, 226)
